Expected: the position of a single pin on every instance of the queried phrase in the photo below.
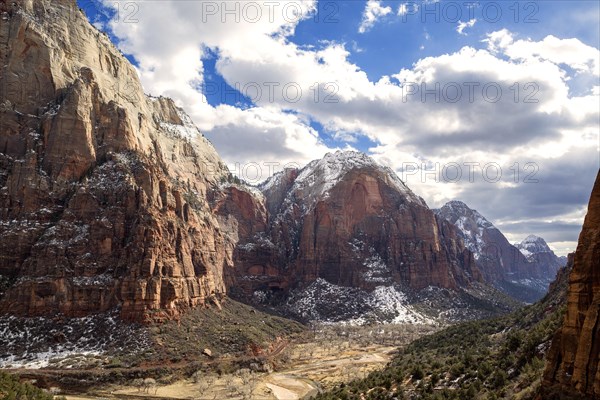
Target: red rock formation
(353, 223)
(103, 199)
(573, 365)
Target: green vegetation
(499, 358)
(231, 179)
(12, 389)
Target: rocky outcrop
(104, 192)
(573, 365)
(502, 264)
(353, 223)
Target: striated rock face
(524, 271)
(351, 222)
(573, 361)
(103, 191)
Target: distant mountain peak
(533, 244)
(533, 239)
(457, 204)
(460, 208)
(530, 263)
(333, 166)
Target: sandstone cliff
(103, 190)
(113, 199)
(353, 223)
(573, 361)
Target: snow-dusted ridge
(533, 245)
(270, 182)
(472, 234)
(318, 177)
(322, 175)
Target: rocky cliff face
(573, 361)
(347, 222)
(103, 190)
(501, 263)
(112, 199)
(351, 222)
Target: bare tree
(150, 383)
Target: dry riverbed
(327, 357)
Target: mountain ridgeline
(524, 271)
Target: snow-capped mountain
(316, 179)
(536, 250)
(532, 245)
(503, 264)
(345, 222)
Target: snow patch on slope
(188, 130)
(42, 342)
(325, 302)
(377, 271)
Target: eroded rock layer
(573, 361)
(103, 190)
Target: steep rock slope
(352, 222)
(103, 190)
(347, 227)
(501, 263)
(573, 362)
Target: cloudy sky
(492, 103)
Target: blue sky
(353, 64)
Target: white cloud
(570, 52)
(169, 41)
(497, 41)
(402, 9)
(463, 25)
(372, 13)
